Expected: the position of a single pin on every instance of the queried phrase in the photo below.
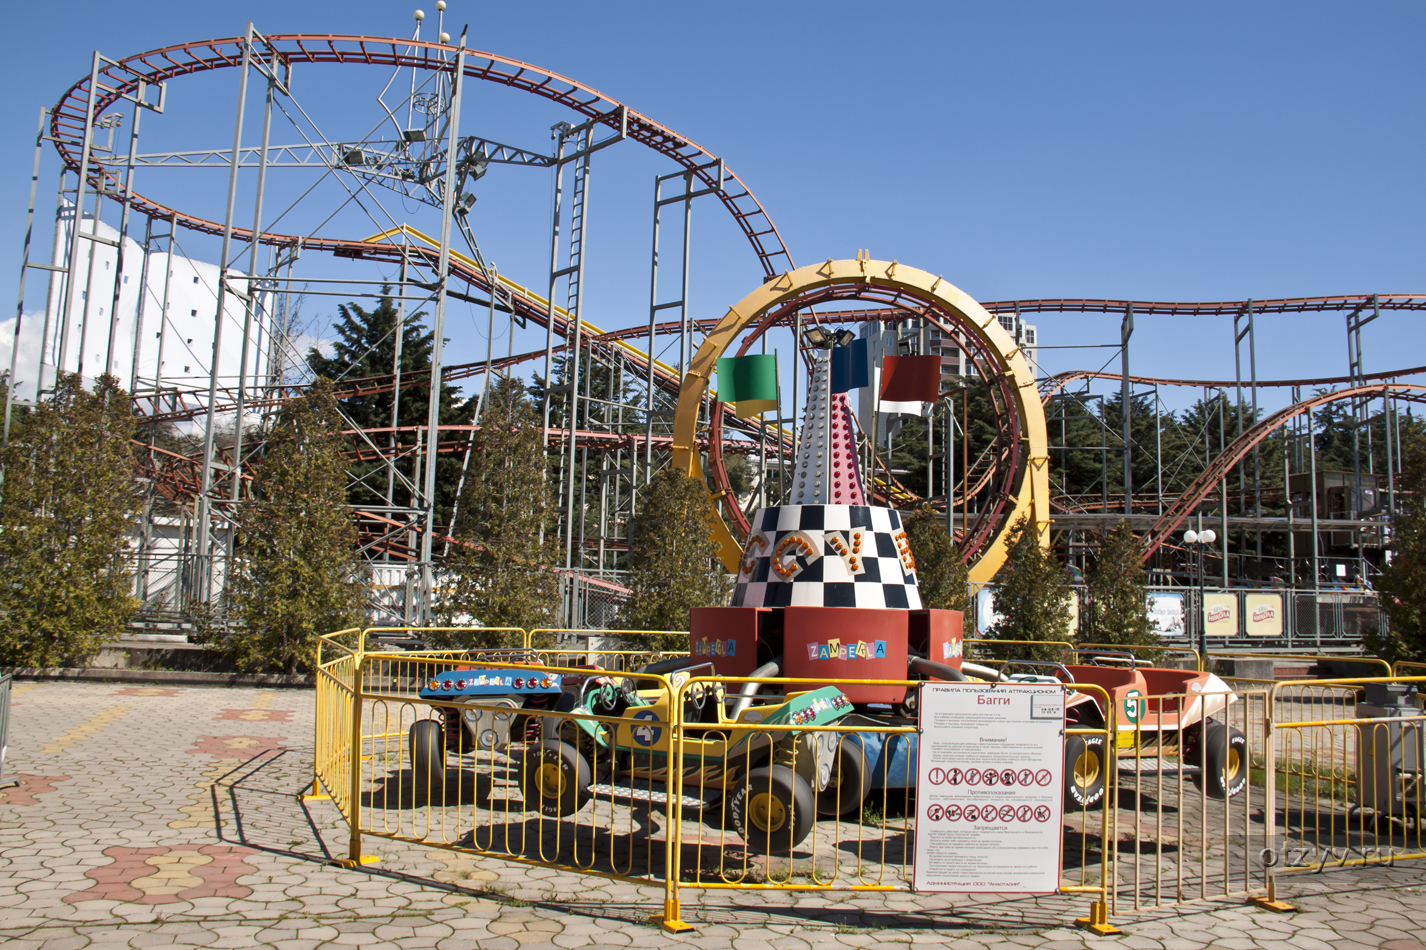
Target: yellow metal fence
(1282, 777)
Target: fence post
(1098, 920)
(355, 858)
(7, 683)
(1269, 853)
(671, 920)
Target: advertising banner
(1166, 613)
(1262, 614)
(990, 789)
(1220, 614)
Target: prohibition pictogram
(1007, 777)
(973, 776)
(1042, 813)
(1007, 812)
(935, 812)
(1023, 813)
(954, 776)
(990, 777)
(971, 813)
(1042, 777)
(1026, 777)
(953, 813)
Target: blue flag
(850, 369)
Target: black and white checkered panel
(809, 556)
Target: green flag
(750, 382)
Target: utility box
(1390, 750)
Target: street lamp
(1198, 543)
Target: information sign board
(989, 788)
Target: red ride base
(824, 643)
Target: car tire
(1086, 772)
(1225, 761)
(850, 782)
(555, 779)
(428, 754)
(773, 810)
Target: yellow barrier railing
(974, 642)
(1186, 652)
(1344, 774)
(652, 779)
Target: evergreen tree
(366, 347)
(1031, 596)
(1403, 582)
(941, 576)
(1118, 611)
(673, 564)
(296, 574)
(498, 576)
(69, 503)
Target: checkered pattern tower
(829, 548)
(826, 469)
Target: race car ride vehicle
(614, 731)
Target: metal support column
(438, 331)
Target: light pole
(1198, 543)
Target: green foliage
(296, 573)
(941, 576)
(1117, 611)
(366, 347)
(69, 503)
(1031, 595)
(497, 575)
(673, 565)
(1403, 582)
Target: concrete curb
(171, 677)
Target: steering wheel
(598, 691)
(697, 696)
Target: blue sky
(1188, 152)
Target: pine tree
(1118, 611)
(297, 574)
(366, 347)
(1403, 582)
(941, 576)
(673, 565)
(498, 576)
(1031, 596)
(69, 503)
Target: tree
(296, 574)
(1118, 611)
(498, 574)
(1403, 581)
(1032, 596)
(673, 563)
(69, 503)
(366, 347)
(941, 575)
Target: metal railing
(7, 684)
(689, 781)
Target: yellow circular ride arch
(1031, 493)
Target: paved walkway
(158, 817)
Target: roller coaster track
(1052, 385)
(123, 77)
(1206, 483)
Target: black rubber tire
(850, 783)
(428, 753)
(1086, 772)
(555, 779)
(1225, 763)
(773, 810)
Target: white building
(185, 331)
